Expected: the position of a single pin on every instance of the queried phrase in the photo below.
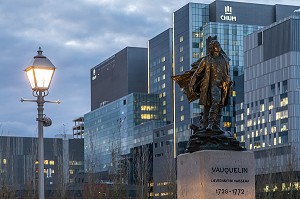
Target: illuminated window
(163, 59)
(284, 127)
(263, 119)
(181, 39)
(4, 161)
(181, 49)
(242, 138)
(36, 162)
(163, 85)
(147, 116)
(71, 171)
(196, 55)
(164, 76)
(279, 140)
(248, 111)
(46, 162)
(181, 59)
(249, 122)
(163, 68)
(275, 143)
(284, 101)
(181, 68)
(164, 111)
(233, 93)
(250, 146)
(227, 124)
(282, 115)
(262, 107)
(273, 129)
(148, 108)
(271, 105)
(164, 103)
(182, 118)
(181, 108)
(51, 162)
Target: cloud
(76, 36)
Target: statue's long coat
(200, 76)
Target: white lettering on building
(228, 14)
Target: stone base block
(212, 174)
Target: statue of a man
(211, 84)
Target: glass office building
(160, 71)
(192, 25)
(271, 108)
(125, 123)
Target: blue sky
(75, 35)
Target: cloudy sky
(75, 35)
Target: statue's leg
(213, 121)
(220, 114)
(204, 119)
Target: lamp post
(40, 72)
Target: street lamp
(40, 72)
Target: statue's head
(215, 46)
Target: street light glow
(40, 72)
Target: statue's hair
(211, 43)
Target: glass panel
(43, 77)
(30, 76)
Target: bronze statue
(209, 81)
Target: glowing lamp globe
(40, 72)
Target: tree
(143, 170)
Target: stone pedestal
(211, 174)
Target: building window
(181, 59)
(181, 49)
(182, 118)
(284, 127)
(227, 124)
(284, 101)
(273, 129)
(181, 98)
(181, 108)
(51, 162)
(46, 162)
(4, 161)
(163, 68)
(181, 39)
(181, 68)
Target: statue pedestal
(211, 174)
